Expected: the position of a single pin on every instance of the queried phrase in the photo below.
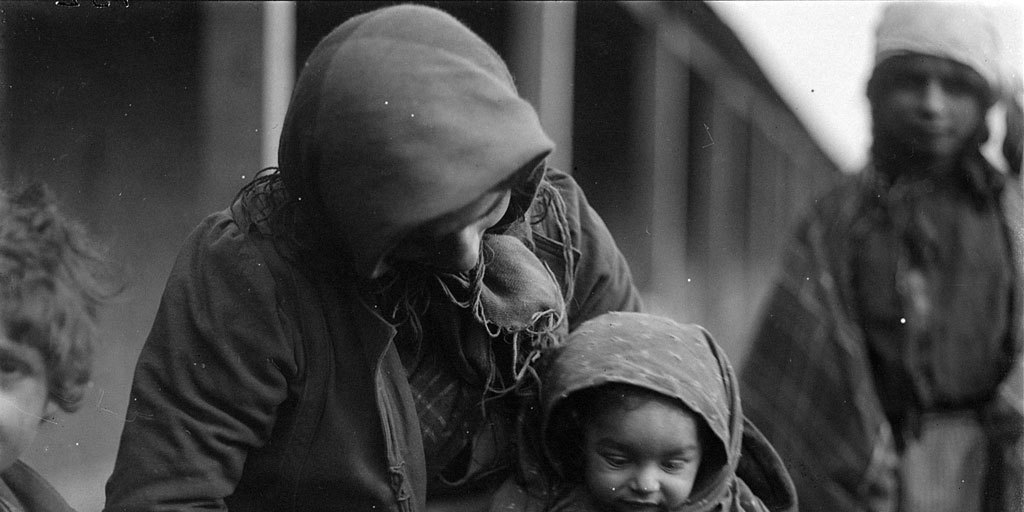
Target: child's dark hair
(52, 281)
(568, 424)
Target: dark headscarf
(404, 115)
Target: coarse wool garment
(678, 361)
(901, 299)
(271, 379)
(808, 377)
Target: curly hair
(52, 281)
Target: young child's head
(643, 413)
(640, 448)
(51, 282)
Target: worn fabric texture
(259, 389)
(672, 359)
(293, 365)
(22, 489)
(410, 116)
(842, 397)
(406, 115)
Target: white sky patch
(819, 54)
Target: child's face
(24, 400)
(643, 458)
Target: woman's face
(451, 243)
(929, 104)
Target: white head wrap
(961, 32)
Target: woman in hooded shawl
(887, 367)
(639, 412)
(356, 332)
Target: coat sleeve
(603, 281)
(209, 379)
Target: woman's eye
(906, 81)
(959, 86)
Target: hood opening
(564, 437)
(400, 116)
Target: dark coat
(268, 381)
(24, 490)
(259, 389)
(808, 381)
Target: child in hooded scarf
(639, 412)
(358, 329)
(51, 284)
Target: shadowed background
(145, 118)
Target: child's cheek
(604, 484)
(20, 417)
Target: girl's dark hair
(52, 280)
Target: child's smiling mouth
(641, 505)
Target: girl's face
(641, 458)
(929, 104)
(24, 398)
(451, 243)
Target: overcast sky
(818, 54)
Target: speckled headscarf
(679, 361)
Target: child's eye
(614, 460)
(676, 465)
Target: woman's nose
(463, 248)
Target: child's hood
(676, 360)
(406, 115)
